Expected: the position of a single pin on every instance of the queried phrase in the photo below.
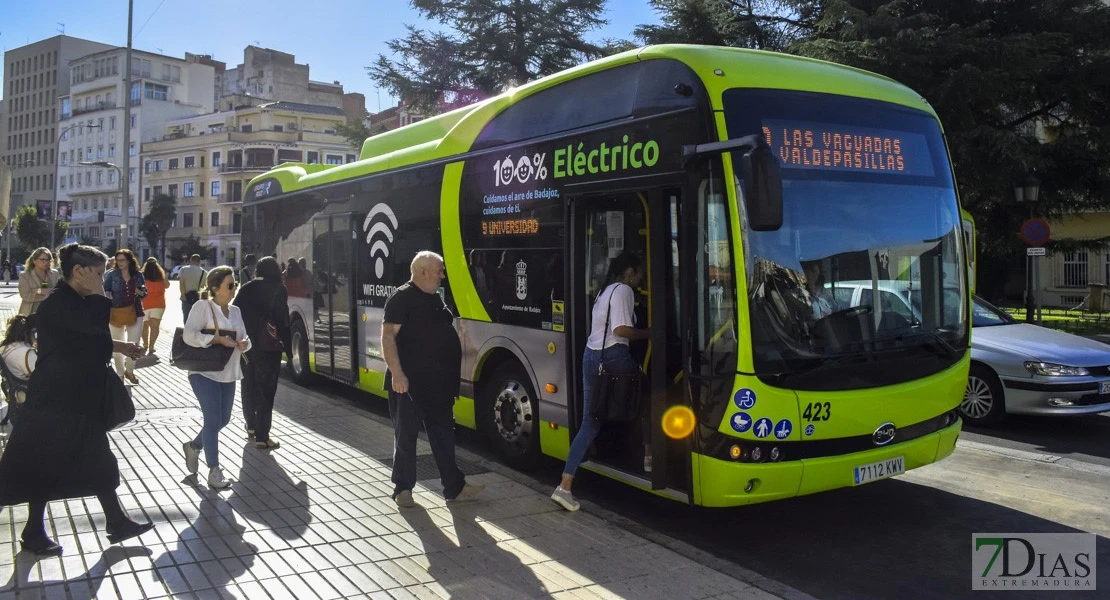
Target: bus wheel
(508, 416)
(983, 402)
(298, 354)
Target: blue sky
(337, 40)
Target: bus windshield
(865, 284)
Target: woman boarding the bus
(615, 305)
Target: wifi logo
(379, 235)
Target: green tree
(157, 222)
(191, 245)
(482, 47)
(35, 233)
(760, 24)
(356, 132)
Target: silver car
(1022, 368)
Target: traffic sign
(1035, 251)
(1035, 232)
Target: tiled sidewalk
(314, 519)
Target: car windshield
(985, 314)
(871, 228)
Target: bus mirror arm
(761, 173)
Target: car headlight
(1054, 370)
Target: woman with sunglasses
(215, 390)
(37, 280)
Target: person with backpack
(17, 350)
(190, 281)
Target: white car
(176, 272)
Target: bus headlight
(775, 454)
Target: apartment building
(91, 127)
(206, 161)
(268, 75)
(34, 76)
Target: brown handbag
(124, 316)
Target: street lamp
(1027, 191)
(123, 242)
(54, 204)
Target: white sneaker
(404, 499)
(192, 457)
(565, 499)
(217, 480)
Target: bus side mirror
(762, 189)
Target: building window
(216, 159)
(111, 176)
(100, 152)
(134, 121)
(215, 219)
(157, 190)
(246, 128)
(88, 153)
(112, 123)
(190, 162)
(313, 157)
(1075, 268)
(172, 189)
(187, 189)
(131, 149)
(333, 159)
(131, 175)
(99, 177)
(173, 163)
(111, 151)
(88, 178)
(350, 158)
(187, 220)
(215, 189)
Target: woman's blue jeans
(617, 358)
(216, 401)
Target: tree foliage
(192, 245)
(482, 47)
(35, 233)
(759, 24)
(157, 221)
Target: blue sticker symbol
(741, 422)
(810, 429)
(783, 429)
(744, 399)
(763, 427)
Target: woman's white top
(20, 358)
(201, 317)
(619, 301)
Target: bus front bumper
(724, 483)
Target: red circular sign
(1035, 232)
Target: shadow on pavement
(267, 495)
(25, 562)
(211, 548)
(1062, 436)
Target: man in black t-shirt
(424, 357)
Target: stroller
(15, 392)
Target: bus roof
(720, 68)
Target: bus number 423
(817, 411)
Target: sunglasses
(231, 286)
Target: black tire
(984, 401)
(508, 416)
(298, 354)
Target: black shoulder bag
(119, 408)
(616, 395)
(191, 358)
(269, 338)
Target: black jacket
(261, 298)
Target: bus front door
(331, 282)
(644, 223)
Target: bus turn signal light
(550, 388)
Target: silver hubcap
(512, 412)
(978, 399)
(298, 366)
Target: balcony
(226, 168)
(93, 108)
(230, 229)
(228, 198)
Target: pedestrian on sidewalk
(264, 303)
(190, 282)
(247, 272)
(61, 449)
(17, 350)
(126, 286)
(37, 281)
(424, 358)
(215, 390)
(613, 321)
(154, 304)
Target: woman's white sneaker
(192, 457)
(217, 480)
(565, 499)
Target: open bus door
(646, 223)
(331, 283)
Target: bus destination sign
(829, 146)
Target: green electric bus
(750, 182)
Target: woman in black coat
(61, 448)
(263, 300)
